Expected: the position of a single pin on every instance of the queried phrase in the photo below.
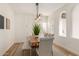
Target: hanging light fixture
(37, 10)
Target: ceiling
(44, 8)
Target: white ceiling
(44, 8)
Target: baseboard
(64, 50)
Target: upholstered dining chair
(45, 47)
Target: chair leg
(52, 53)
(30, 52)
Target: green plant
(36, 29)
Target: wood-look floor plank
(12, 50)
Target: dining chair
(45, 47)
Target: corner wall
(6, 36)
(67, 42)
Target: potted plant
(36, 30)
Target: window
(44, 26)
(62, 24)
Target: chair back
(45, 47)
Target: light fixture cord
(37, 8)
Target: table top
(34, 42)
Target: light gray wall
(68, 41)
(7, 37)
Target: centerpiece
(36, 30)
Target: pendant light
(37, 10)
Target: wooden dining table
(34, 44)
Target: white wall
(51, 23)
(6, 36)
(23, 27)
(67, 42)
(75, 22)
